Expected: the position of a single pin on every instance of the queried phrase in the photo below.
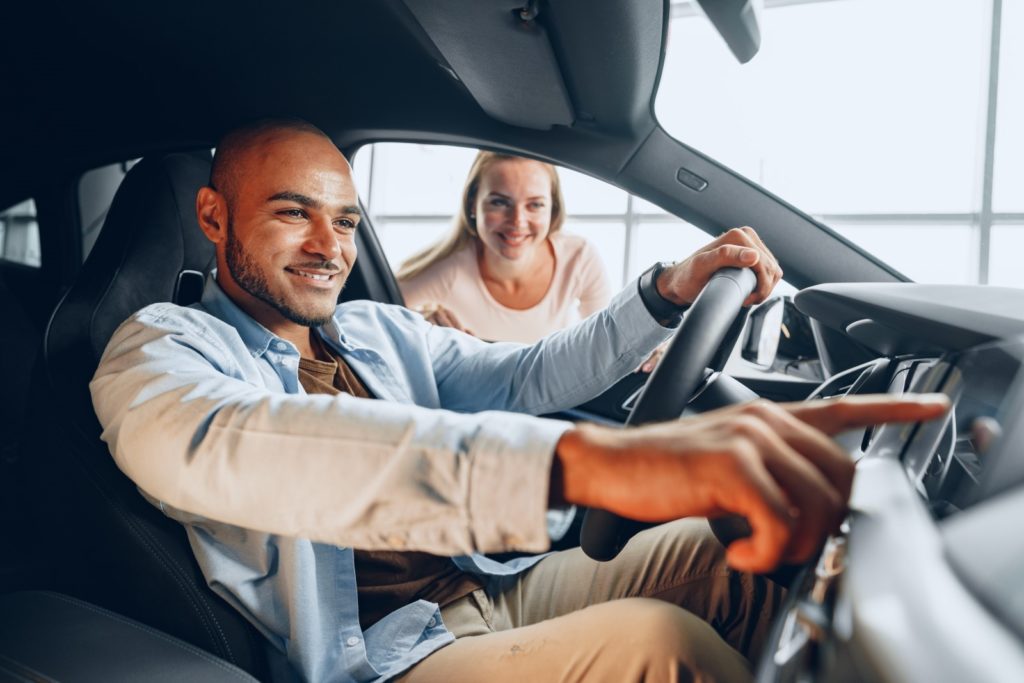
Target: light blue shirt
(203, 409)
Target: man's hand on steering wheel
(737, 248)
(773, 464)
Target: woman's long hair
(463, 231)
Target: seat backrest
(20, 341)
(114, 548)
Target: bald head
(236, 149)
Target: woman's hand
(439, 315)
(652, 360)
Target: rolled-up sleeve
(186, 423)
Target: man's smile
(316, 277)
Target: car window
(96, 190)
(412, 191)
(898, 124)
(19, 234)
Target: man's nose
(322, 240)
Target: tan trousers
(666, 609)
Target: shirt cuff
(661, 309)
(631, 316)
(509, 480)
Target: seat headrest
(149, 250)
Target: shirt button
(281, 346)
(352, 641)
(432, 623)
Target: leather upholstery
(48, 636)
(112, 547)
(20, 342)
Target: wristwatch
(667, 313)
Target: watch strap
(665, 312)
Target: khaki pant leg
(572, 619)
(621, 641)
(680, 562)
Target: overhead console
(560, 63)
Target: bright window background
(1007, 247)
(877, 117)
(412, 194)
(1009, 157)
(19, 234)
(873, 116)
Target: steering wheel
(669, 389)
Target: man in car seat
(327, 461)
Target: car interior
(97, 584)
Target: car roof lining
(522, 83)
(72, 71)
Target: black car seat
(19, 566)
(110, 546)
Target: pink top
(579, 288)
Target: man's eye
(345, 223)
(292, 213)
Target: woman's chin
(515, 252)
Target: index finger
(833, 416)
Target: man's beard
(249, 277)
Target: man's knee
(652, 640)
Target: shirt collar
(256, 337)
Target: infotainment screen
(964, 457)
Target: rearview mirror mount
(737, 22)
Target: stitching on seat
(145, 538)
(187, 589)
(201, 599)
(181, 645)
(19, 670)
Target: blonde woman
(507, 271)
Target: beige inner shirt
(385, 580)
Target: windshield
(899, 124)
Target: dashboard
(925, 580)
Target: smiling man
(328, 461)
(287, 279)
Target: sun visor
(503, 56)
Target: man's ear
(211, 212)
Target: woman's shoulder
(573, 249)
(438, 277)
(569, 241)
